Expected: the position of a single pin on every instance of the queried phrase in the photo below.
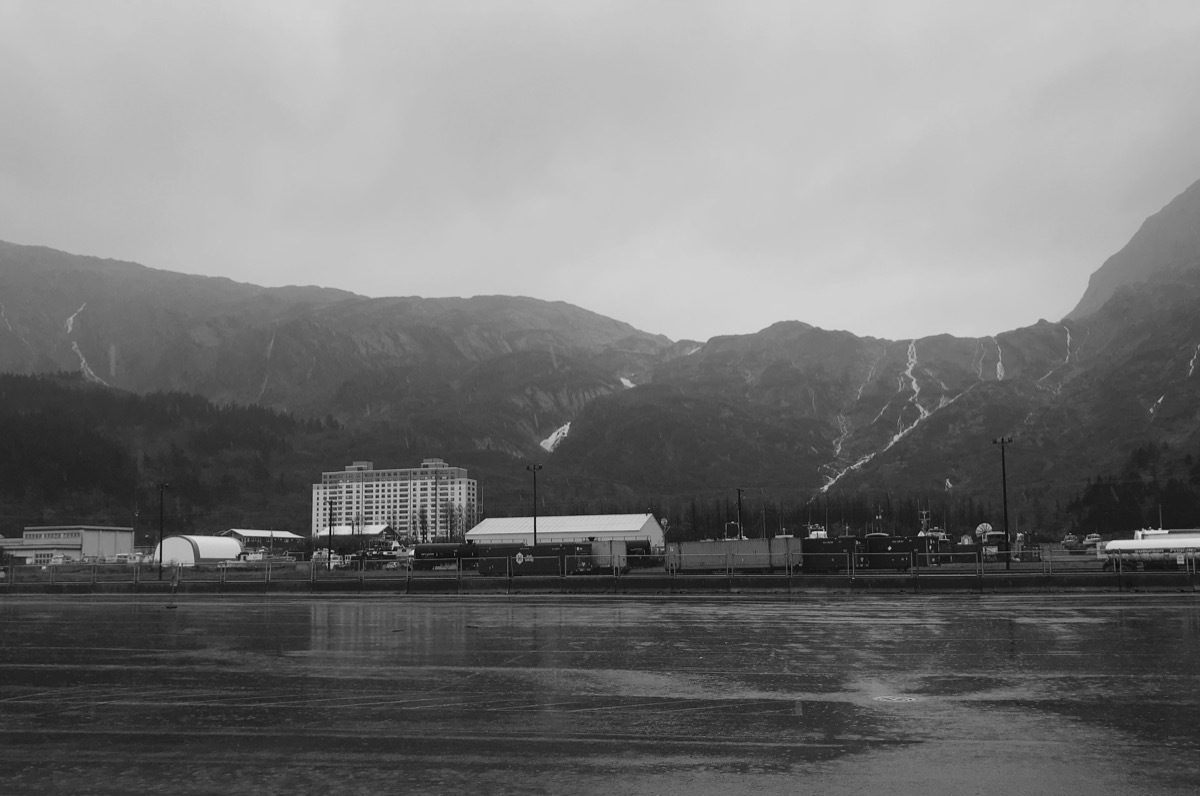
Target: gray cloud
(895, 169)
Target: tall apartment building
(430, 502)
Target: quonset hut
(574, 529)
(188, 551)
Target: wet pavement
(850, 694)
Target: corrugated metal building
(42, 544)
(575, 528)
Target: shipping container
(544, 559)
(884, 551)
(827, 556)
(734, 555)
(444, 555)
(611, 555)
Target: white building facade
(429, 503)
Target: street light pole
(329, 558)
(533, 468)
(162, 488)
(1002, 442)
(740, 490)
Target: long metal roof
(250, 533)
(352, 530)
(571, 524)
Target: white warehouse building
(432, 502)
(574, 528)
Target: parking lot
(995, 694)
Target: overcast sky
(896, 169)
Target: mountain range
(619, 415)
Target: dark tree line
(1157, 484)
(75, 452)
(45, 457)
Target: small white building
(570, 529)
(188, 551)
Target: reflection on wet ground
(1000, 694)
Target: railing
(1048, 567)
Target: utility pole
(533, 468)
(329, 559)
(1002, 442)
(740, 490)
(162, 488)
(437, 506)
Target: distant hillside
(428, 366)
(792, 415)
(81, 452)
(78, 452)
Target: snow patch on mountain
(70, 322)
(267, 375)
(9, 326)
(554, 440)
(881, 411)
(901, 430)
(922, 412)
(978, 366)
(85, 368)
(627, 383)
(844, 431)
(999, 361)
(1066, 361)
(830, 480)
(871, 373)
(1192, 364)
